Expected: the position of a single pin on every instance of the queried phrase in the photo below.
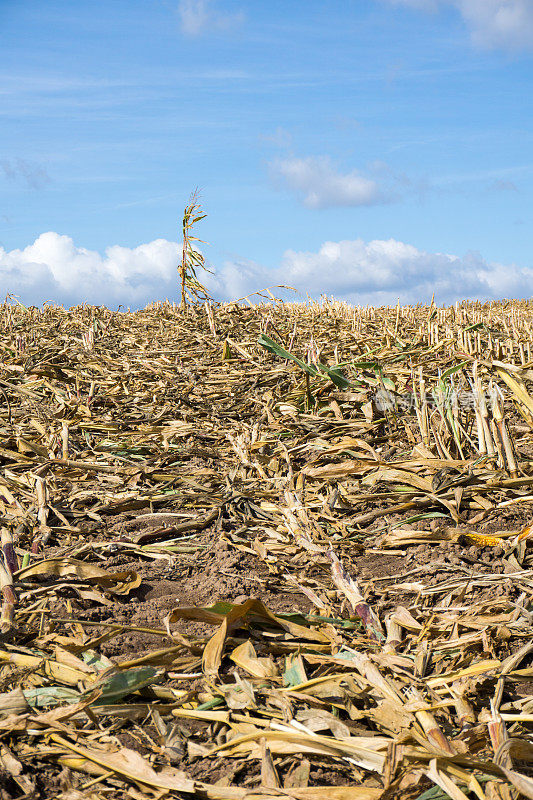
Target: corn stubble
(303, 435)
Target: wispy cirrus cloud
(502, 185)
(34, 176)
(202, 16)
(493, 23)
(280, 137)
(376, 272)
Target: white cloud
(320, 185)
(379, 272)
(376, 272)
(499, 23)
(201, 16)
(493, 23)
(53, 268)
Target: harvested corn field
(279, 551)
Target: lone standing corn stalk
(191, 258)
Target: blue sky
(366, 148)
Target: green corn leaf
(120, 684)
(51, 696)
(454, 369)
(331, 372)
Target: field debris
(272, 551)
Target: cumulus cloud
(378, 272)
(319, 184)
(53, 268)
(201, 16)
(493, 23)
(34, 175)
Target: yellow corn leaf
(365, 751)
(398, 476)
(245, 656)
(517, 388)
(468, 672)
(116, 582)
(52, 669)
(130, 765)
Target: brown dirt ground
(218, 572)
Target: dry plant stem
(183, 269)
(42, 507)
(64, 441)
(482, 411)
(499, 445)
(424, 415)
(191, 259)
(10, 557)
(465, 713)
(348, 585)
(430, 726)
(274, 481)
(508, 453)
(394, 635)
(9, 600)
